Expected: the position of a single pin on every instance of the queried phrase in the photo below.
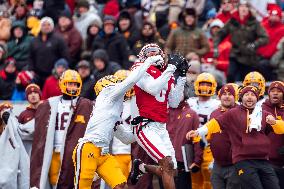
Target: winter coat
(74, 41)
(43, 54)
(186, 40)
(242, 34)
(7, 85)
(43, 143)
(19, 48)
(110, 67)
(275, 33)
(51, 88)
(116, 47)
(277, 61)
(83, 22)
(87, 90)
(14, 160)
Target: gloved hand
(281, 150)
(182, 70)
(5, 117)
(155, 60)
(215, 53)
(176, 60)
(194, 168)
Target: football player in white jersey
(121, 151)
(91, 154)
(205, 87)
(59, 123)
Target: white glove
(155, 60)
(210, 166)
(255, 121)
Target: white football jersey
(108, 109)
(130, 111)
(203, 108)
(62, 116)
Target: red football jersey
(154, 107)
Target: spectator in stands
(148, 34)
(20, 12)
(84, 70)
(45, 50)
(7, 79)
(114, 43)
(3, 53)
(51, 85)
(222, 61)
(19, 44)
(102, 65)
(181, 120)
(84, 17)
(225, 11)
(5, 26)
(127, 28)
(247, 35)
(92, 32)
(188, 38)
(275, 30)
(23, 79)
(71, 36)
(277, 61)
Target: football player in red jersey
(155, 91)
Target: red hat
(276, 84)
(33, 88)
(227, 88)
(249, 88)
(274, 9)
(25, 77)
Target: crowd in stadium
(120, 91)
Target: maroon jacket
(75, 131)
(251, 145)
(182, 120)
(277, 141)
(27, 115)
(220, 143)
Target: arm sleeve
(209, 128)
(154, 86)
(261, 36)
(176, 93)
(124, 134)
(121, 88)
(278, 127)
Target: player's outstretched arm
(155, 86)
(176, 92)
(138, 72)
(208, 129)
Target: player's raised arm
(134, 76)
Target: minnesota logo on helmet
(106, 81)
(70, 76)
(205, 85)
(257, 80)
(122, 75)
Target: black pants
(238, 71)
(256, 174)
(280, 174)
(224, 177)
